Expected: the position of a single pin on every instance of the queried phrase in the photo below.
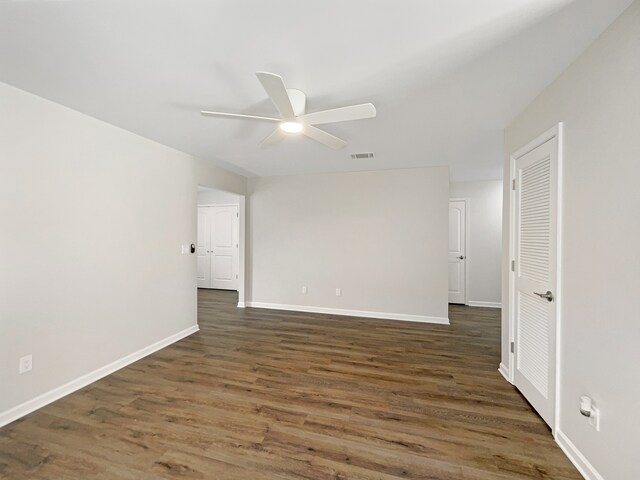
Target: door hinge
(513, 347)
(513, 265)
(513, 184)
(238, 214)
(236, 276)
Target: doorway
(218, 247)
(458, 244)
(534, 276)
(220, 241)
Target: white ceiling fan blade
(237, 115)
(324, 137)
(277, 91)
(272, 139)
(343, 114)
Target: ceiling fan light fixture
(291, 127)
(293, 118)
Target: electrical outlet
(305, 290)
(26, 364)
(338, 292)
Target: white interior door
(224, 247)
(202, 248)
(535, 276)
(457, 250)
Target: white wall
(209, 196)
(598, 98)
(380, 236)
(484, 252)
(91, 222)
(217, 178)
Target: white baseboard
(504, 371)
(40, 401)
(473, 303)
(577, 458)
(241, 304)
(351, 313)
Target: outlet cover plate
(26, 364)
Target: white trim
(351, 313)
(242, 229)
(40, 401)
(577, 458)
(511, 277)
(559, 193)
(555, 132)
(467, 249)
(504, 371)
(220, 204)
(473, 303)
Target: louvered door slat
(535, 216)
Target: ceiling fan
(291, 104)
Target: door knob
(461, 257)
(548, 295)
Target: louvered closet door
(535, 273)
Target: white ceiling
(445, 76)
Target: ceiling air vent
(362, 155)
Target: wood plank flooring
(260, 394)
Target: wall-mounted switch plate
(305, 290)
(185, 249)
(338, 292)
(26, 364)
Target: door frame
(467, 246)
(241, 240)
(240, 245)
(555, 132)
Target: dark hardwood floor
(262, 394)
